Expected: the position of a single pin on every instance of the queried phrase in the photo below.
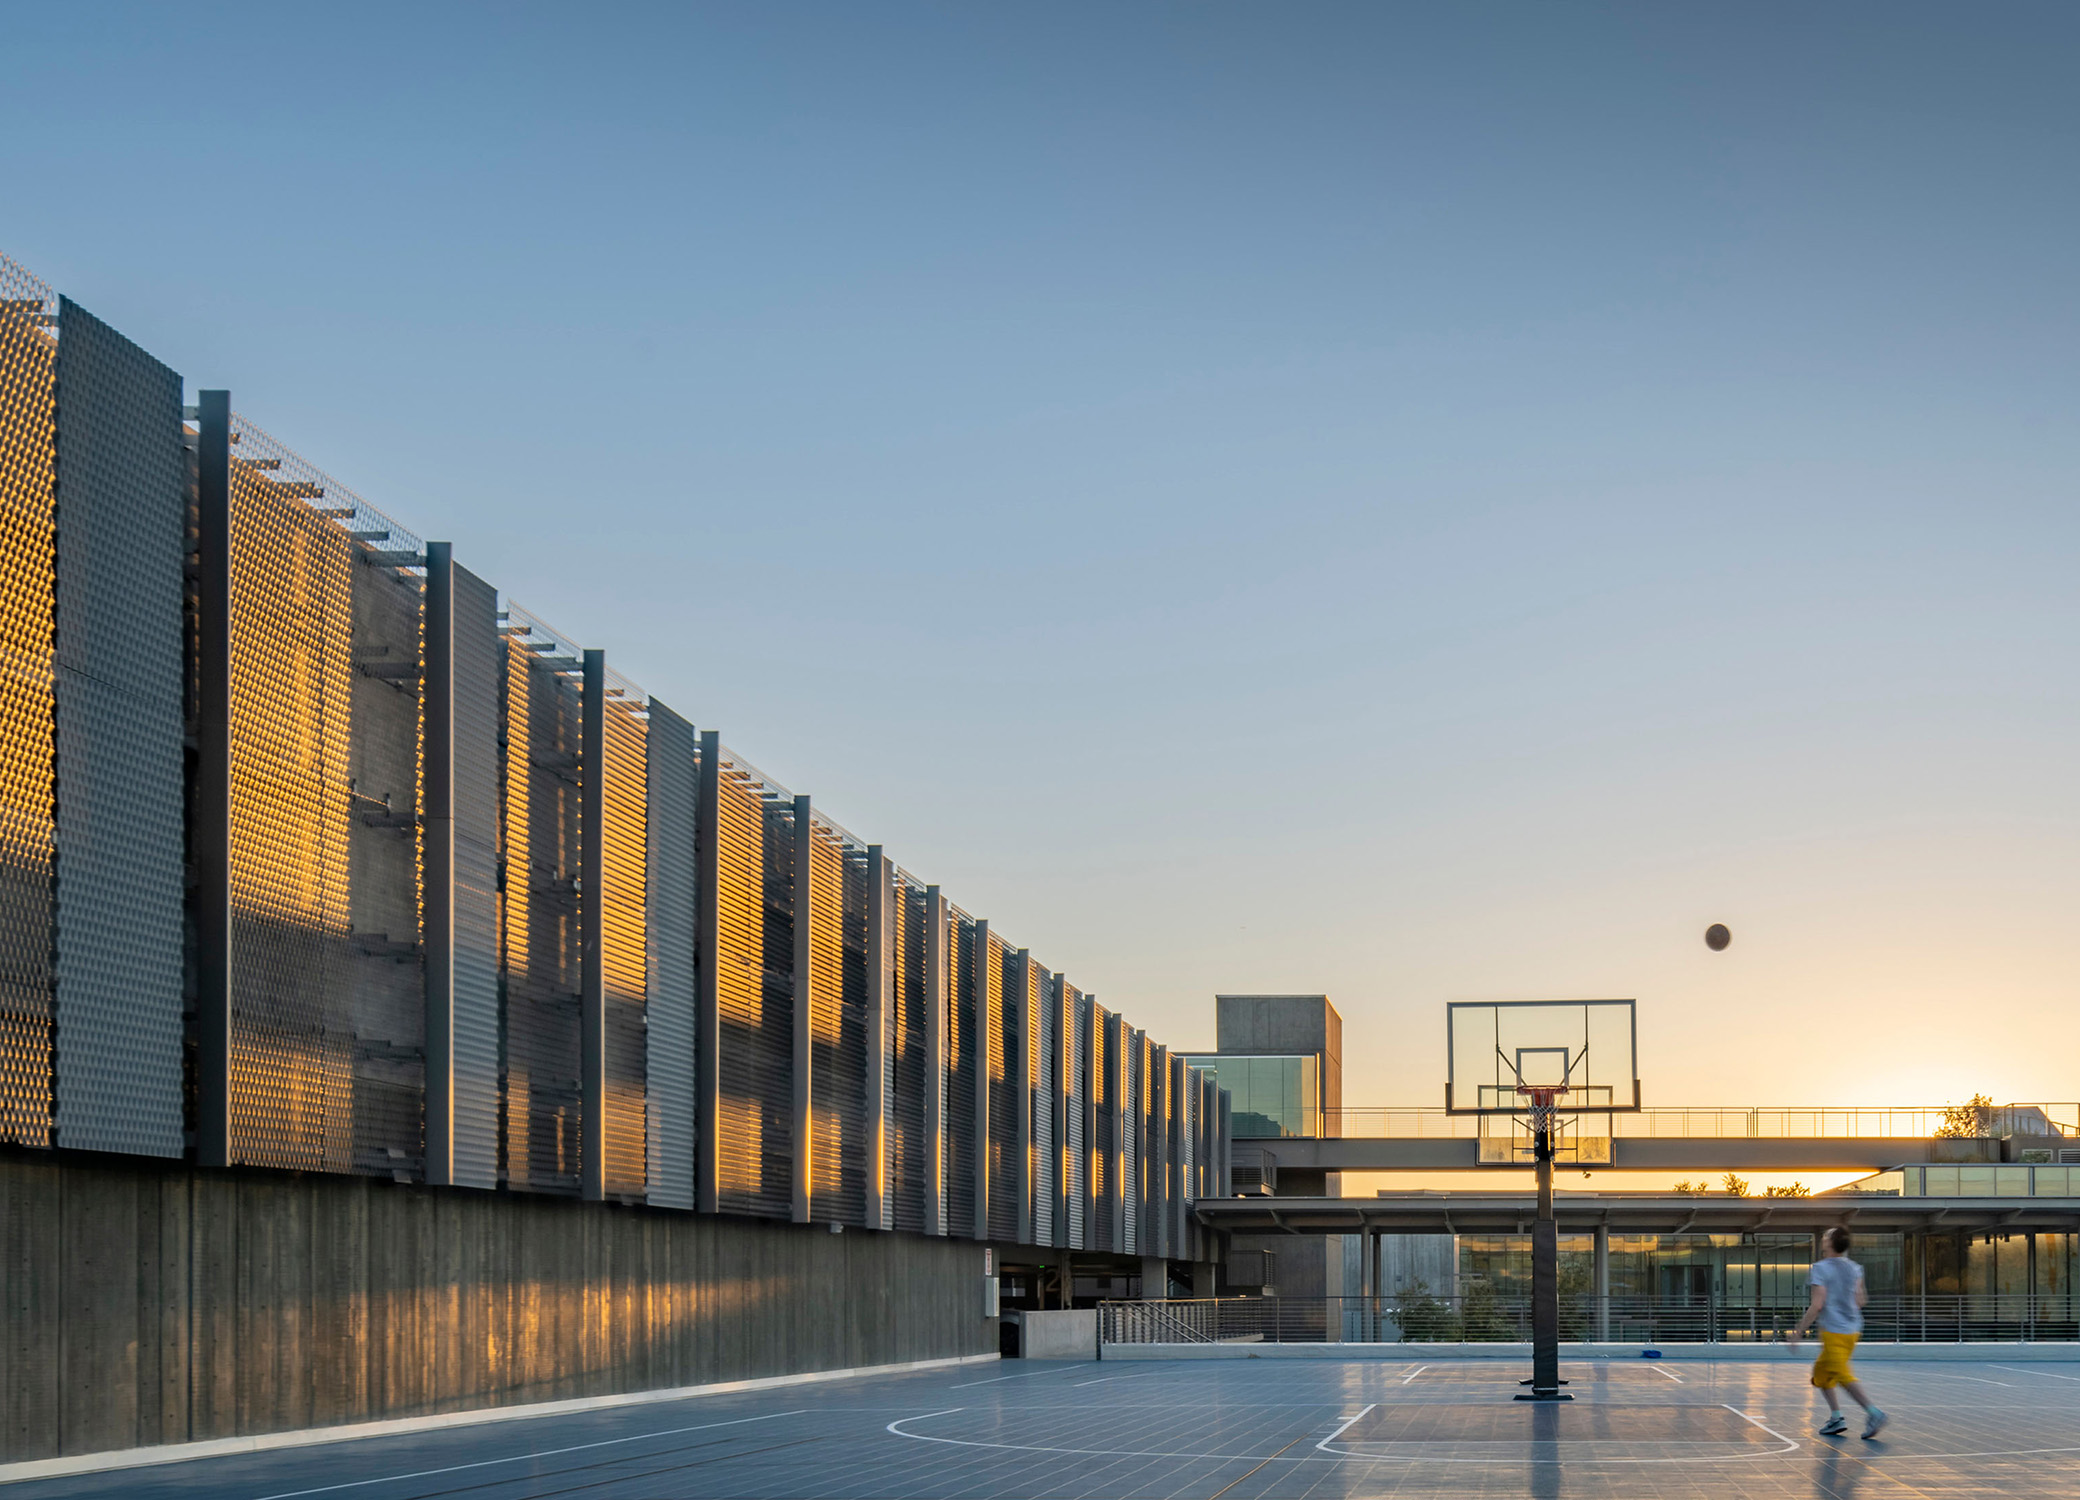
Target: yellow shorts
(1832, 1367)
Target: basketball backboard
(1588, 1049)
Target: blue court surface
(1230, 1429)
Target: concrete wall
(1067, 1333)
(151, 1303)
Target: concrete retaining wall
(144, 1303)
(1065, 1333)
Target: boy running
(1838, 1298)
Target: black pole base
(1533, 1382)
(1541, 1396)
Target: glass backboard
(1493, 1049)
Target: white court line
(1323, 1445)
(1412, 1374)
(2025, 1370)
(1137, 1375)
(1672, 1375)
(355, 1484)
(1328, 1455)
(1025, 1375)
(1981, 1379)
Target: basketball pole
(1545, 1379)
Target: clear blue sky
(1421, 502)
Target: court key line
(2025, 1370)
(485, 1463)
(1342, 1427)
(1329, 1455)
(1024, 1375)
(1412, 1374)
(1672, 1375)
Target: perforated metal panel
(539, 833)
(1076, 1017)
(909, 1150)
(27, 462)
(479, 675)
(386, 966)
(1158, 1221)
(1001, 1140)
(625, 935)
(756, 1001)
(292, 709)
(962, 1041)
(836, 913)
(673, 785)
(1045, 1022)
(121, 525)
(1130, 1105)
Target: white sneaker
(1837, 1426)
(1875, 1424)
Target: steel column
(210, 808)
(803, 1115)
(880, 891)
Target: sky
(1416, 502)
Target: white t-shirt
(1839, 1277)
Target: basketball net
(1541, 1096)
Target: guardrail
(1484, 1316)
(1798, 1122)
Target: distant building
(1280, 1057)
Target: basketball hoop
(1541, 1096)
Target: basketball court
(1231, 1429)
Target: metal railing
(1487, 1316)
(1795, 1122)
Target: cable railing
(1486, 1316)
(1793, 1122)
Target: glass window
(1941, 1181)
(1975, 1182)
(2053, 1182)
(2011, 1182)
(1268, 1096)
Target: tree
(1738, 1186)
(1795, 1190)
(1970, 1120)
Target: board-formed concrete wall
(148, 1303)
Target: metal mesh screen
(909, 1150)
(673, 786)
(1076, 1019)
(858, 1050)
(959, 1080)
(837, 1032)
(1129, 1141)
(755, 1068)
(1044, 1020)
(121, 523)
(292, 710)
(386, 1002)
(27, 436)
(540, 834)
(625, 932)
(1157, 1224)
(479, 675)
(999, 1140)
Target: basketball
(1716, 937)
